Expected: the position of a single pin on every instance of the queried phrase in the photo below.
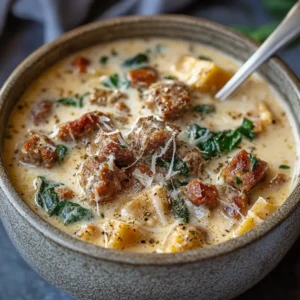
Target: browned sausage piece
(234, 202)
(101, 180)
(80, 63)
(142, 77)
(106, 144)
(84, 126)
(244, 171)
(150, 135)
(41, 111)
(39, 150)
(168, 98)
(202, 194)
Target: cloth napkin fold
(58, 16)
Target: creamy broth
(274, 143)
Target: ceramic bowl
(221, 271)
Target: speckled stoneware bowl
(89, 272)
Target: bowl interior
(178, 27)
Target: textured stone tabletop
(17, 279)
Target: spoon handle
(287, 30)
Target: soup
(124, 146)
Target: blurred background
(25, 25)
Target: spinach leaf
(213, 144)
(61, 151)
(203, 57)
(228, 140)
(205, 108)
(46, 196)
(179, 165)
(136, 61)
(70, 212)
(246, 129)
(103, 60)
(76, 101)
(253, 162)
(48, 199)
(179, 208)
(115, 82)
(67, 101)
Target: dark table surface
(17, 279)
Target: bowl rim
(133, 258)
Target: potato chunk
(203, 75)
(121, 235)
(150, 207)
(260, 211)
(185, 237)
(265, 114)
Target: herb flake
(203, 57)
(284, 167)
(205, 108)
(103, 60)
(61, 151)
(238, 180)
(253, 162)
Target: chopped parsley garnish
(67, 101)
(205, 108)
(213, 144)
(203, 57)
(238, 180)
(136, 61)
(284, 167)
(253, 162)
(61, 151)
(114, 52)
(115, 82)
(170, 77)
(103, 60)
(179, 165)
(180, 209)
(76, 101)
(48, 199)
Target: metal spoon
(287, 30)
